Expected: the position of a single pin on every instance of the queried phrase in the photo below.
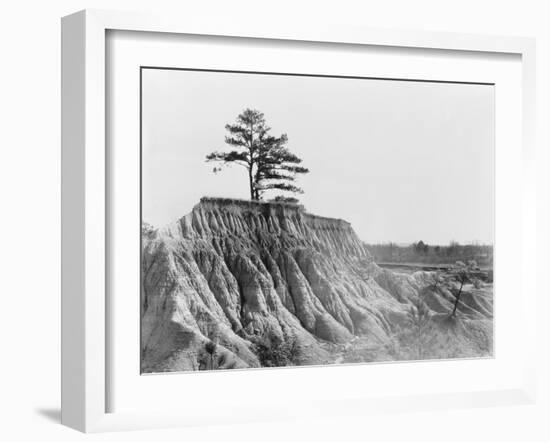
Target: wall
(30, 221)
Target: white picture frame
(85, 203)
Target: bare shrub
(275, 352)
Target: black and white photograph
(309, 220)
(275, 221)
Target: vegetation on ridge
(423, 253)
(269, 163)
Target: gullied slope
(241, 272)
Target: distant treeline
(420, 252)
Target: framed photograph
(273, 222)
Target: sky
(401, 161)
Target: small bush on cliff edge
(147, 230)
(285, 199)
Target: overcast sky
(401, 161)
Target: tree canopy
(269, 163)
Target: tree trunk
(250, 183)
(458, 298)
(251, 163)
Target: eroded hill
(270, 284)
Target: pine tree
(463, 273)
(269, 163)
